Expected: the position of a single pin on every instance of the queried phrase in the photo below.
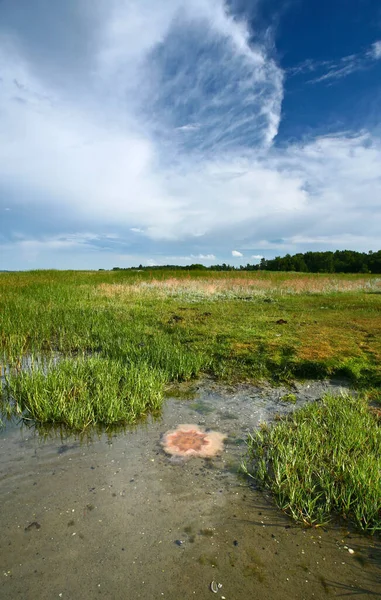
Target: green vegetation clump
(81, 392)
(323, 460)
(290, 398)
(175, 326)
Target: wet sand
(117, 518)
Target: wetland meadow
(97, 366)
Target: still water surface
(115, 518)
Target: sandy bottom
(116, 518)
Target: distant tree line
(340, 261)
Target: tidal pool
(114, 517)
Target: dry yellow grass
(320, 342)
(241, 286)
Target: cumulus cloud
(164, 132)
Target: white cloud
(193, 171)
(338, 69)
(347, 241)
(188, 258)
(204, 256)
(188, 127)
(102, 161)
(62, 241)
(257, 256)
(69, 246)
(376, 50)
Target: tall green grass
(81, 392)
(322, 461)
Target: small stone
(351, 551)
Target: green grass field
(98, 348)
(236, 326)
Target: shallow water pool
(114, 517)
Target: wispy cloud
(189, 258)
(376, 50)
(188, 127)
(204, 256)
(96, 154)
(163, 136)
(70, 245)
(337, 69)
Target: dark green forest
(340, 261)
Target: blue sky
(178, 132)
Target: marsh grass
(241, 286)
(232, 326)
(322, 461)
(81, 392)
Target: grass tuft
(324, 460)
(86, 391)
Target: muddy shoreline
(116, 518)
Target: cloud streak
(338, 69)
(375, 50)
